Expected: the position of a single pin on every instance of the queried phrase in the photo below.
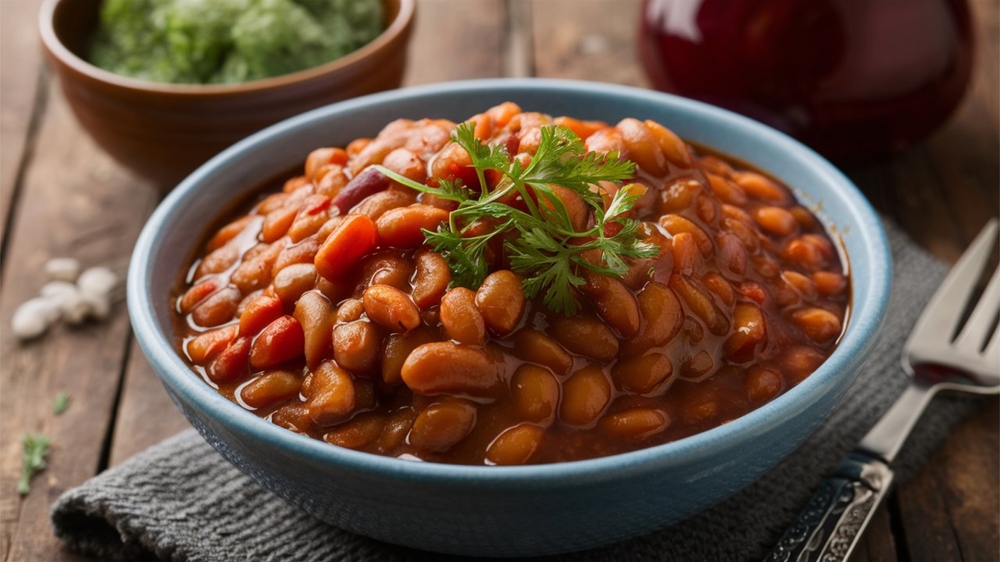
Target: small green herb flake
(545, 248)
(61, 403)
(33, 460)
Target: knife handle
(829, 527)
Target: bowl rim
(50, 39)
(856, 342)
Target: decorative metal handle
(829, 527)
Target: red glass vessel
(854, 79)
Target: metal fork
(831, 524)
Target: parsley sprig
(35, 447)
(547, 250)
(61, 403)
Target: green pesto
(228, 41)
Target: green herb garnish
(33, 460)
(228, 41)
(61, 403)
(547, 251)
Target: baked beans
(322, 310)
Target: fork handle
(830, 526)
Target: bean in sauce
(322, 310)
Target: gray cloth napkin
(180, 500)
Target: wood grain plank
(519, 56)
(75, 202)
(907, 188)
(581, 47)
(949, 509)
(986, 78)
(966, 152)
(920, 198)
(443, 27)
(21, 63)
(146, 415)
(966, 158)
(456, 40)
(588, 40)
(970, 460)
(922, 208)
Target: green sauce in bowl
(228, 41)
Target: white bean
(87, 306)
(97, 281)
(34, 317)
(63, 293)
(63, 269)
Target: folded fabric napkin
(180, 500)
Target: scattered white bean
(34, 317)
(593, 44)
(64, 294)
(97, 282)
(89, 298)
(63, 269)
(86, 307)
(100, 308)
(77, 312)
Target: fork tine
(946, 306)
(992, 353)
(976, 331)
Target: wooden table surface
(60, 195)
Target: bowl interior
(74, 24)
(169, 238)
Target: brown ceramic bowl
(164, 131)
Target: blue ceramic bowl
(506, 511)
